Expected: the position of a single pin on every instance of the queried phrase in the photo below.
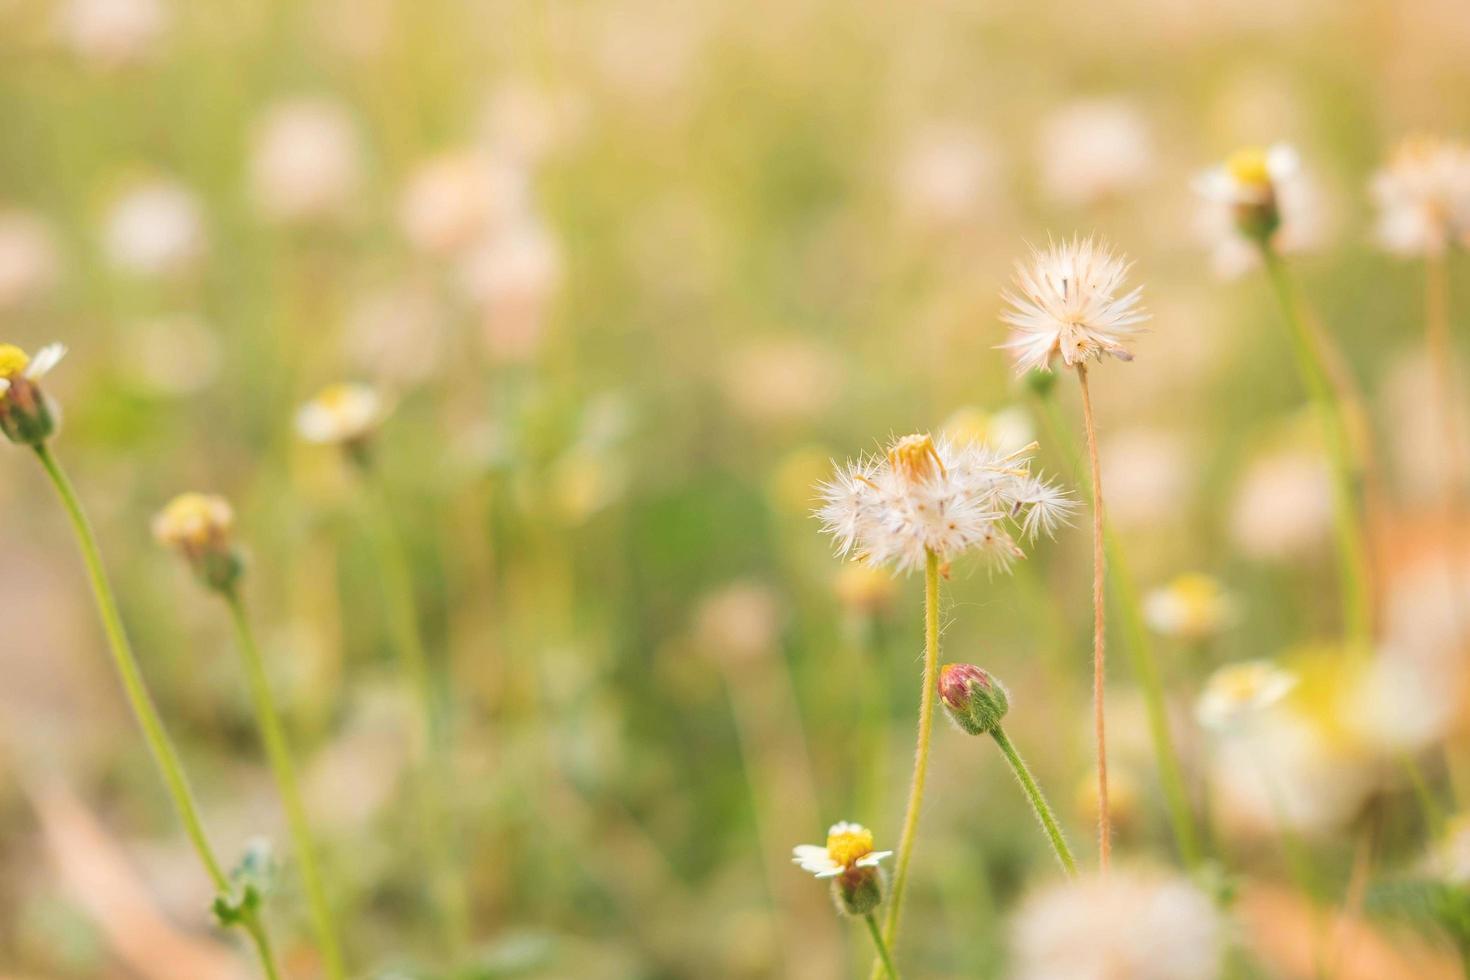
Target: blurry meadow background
(632, 275)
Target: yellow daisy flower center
(915, 457)
(336, 397)
(193, 519)
(847, 846)
(1244, 683)
(13, 360)
(1248, 166)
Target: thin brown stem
(1442, 363)
(1099, 639)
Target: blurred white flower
(156, 228)
(1423, 196)
(457, 200)
(849, 845)
(1149, 475)
(172, 355)
(1071, 302)
(946, 176)
(395, 334)
(1008, 430)
(29, 260)
(512, 276)
(1239, 693)
(341, 414)
(739, 622)
(1125, 923)
(1283, 505)
(306, 160)
(925, 496)
(1192, 607)
(1094, 149)
(527, 121)
(111, 34)
(1263, 188)
(1398, 704)
(782, 380)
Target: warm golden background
(634, 273)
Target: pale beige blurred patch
(100, 877)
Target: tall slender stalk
(273, 734)
(1352, 547)
(1442, 358)
(1141, 657)
(921, 755)
(1037, 800)
(1099, 628)
(141, 702)
(882, 947)
(402, 611)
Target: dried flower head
(1192, 606)
(852, 864)
(342, 414)
(926, 496)
(1139, 925)
(27, 416)
(1071, 302)
(1256, 196)
(1237, 692)
(200, 527)
(1423, 197)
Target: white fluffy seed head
(1423, 197)
(926, 495)
(1070, 301)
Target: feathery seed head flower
(1124, 923)
(1237, 692)
(27, 416)
(974, 700)
(1423, 197)
(850, 861)
(1193, 606)
(925, 495)
(342, 414)
(200, 527)
(1071, 302)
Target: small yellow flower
(341, 414)
(1192, 606)
(849, 846)
(1236, 692)
(194, 523)
(1249, 166)
(27, 416)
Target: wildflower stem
(921, 752)
(1036, 798)
(1352, 547)
(277, 749)
(1099, 636)
(1442, 359)
(402, 612)
(141, 701)
(1141, 658)
(882, 946)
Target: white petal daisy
(849, 845)
(342, 413)
(1071, 302)
(1254, 195)
(1237, 692)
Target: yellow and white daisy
(849, 846)
(1192, 606)
(1237, 692)
(1256, 195)
(1071, 303)
(27, 416)
(927, 496)
(1423, 197)
(16, 363)
(341, 414)
(193, 523)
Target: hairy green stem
(278, 751)
(1037, 800)
(141, 702)
(1352, 546)
(921, 754)
(1141, 657)
(882, 947)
